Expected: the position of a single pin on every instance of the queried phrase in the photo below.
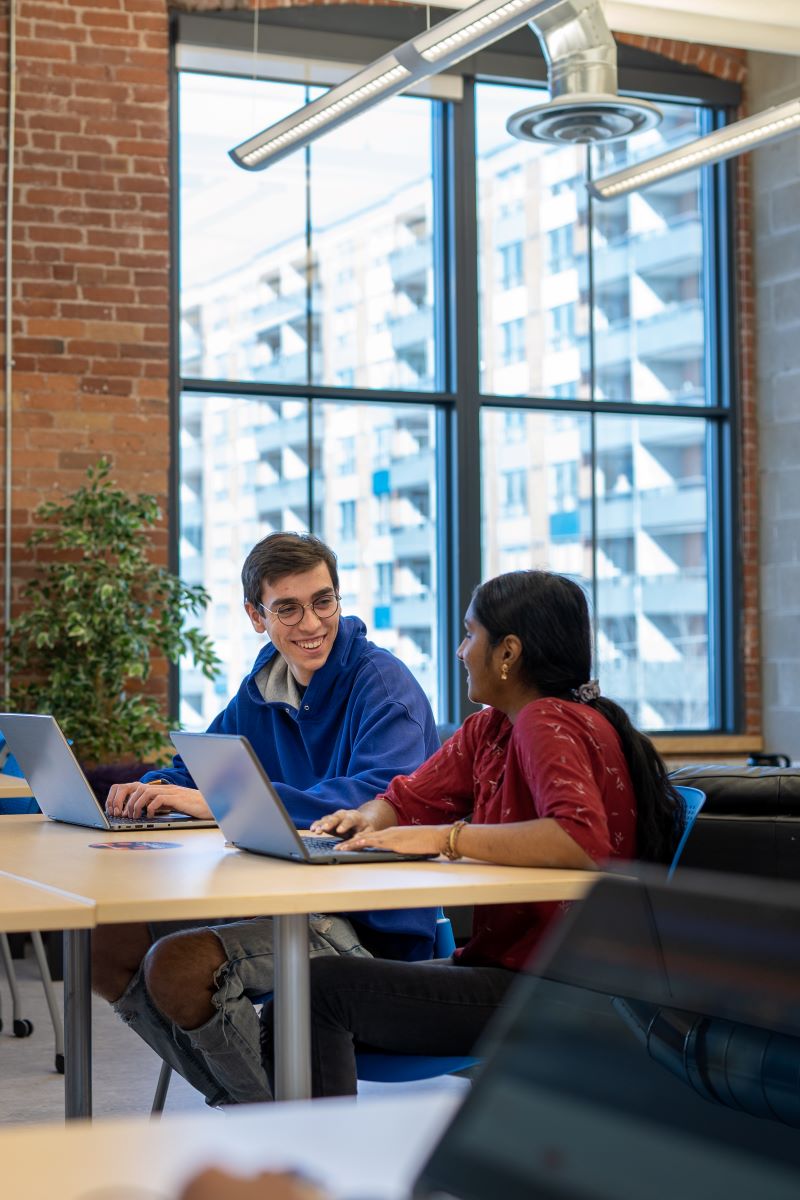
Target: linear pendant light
(438, 48)
(742, 135)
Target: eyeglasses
(293, 611)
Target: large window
(324, 386)
(615, 313)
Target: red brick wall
(90, 250)
(91, 259)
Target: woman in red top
(549, 774)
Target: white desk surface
(368, 1148)
(198, 876)
(25, 906)
(11, 787)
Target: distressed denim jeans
(222, 1058)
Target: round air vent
(581, 118)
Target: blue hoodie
(362, 720)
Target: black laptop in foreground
(656, 1055)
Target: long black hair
(550, 616)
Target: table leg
(77, 1023)
(292, 1009)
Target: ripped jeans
(222, 1058)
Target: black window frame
(459, 400)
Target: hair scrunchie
(587, 691)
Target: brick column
(91, 259)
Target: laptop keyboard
(122, 821)
(321, 845)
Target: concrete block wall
(775, 171)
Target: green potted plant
(93, 616)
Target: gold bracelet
(451, 849)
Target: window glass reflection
(372, 234)
(647, 556)
(319, 269)
(532, 231)
(375, 502)
(649, 320)
(245, 472)
(536, 491)
(652, 568)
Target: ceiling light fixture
(734, 139)
(445, 44)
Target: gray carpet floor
(124, 1069)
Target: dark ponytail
(550, 616)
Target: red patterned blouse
(561, 760)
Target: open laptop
(248, 809)
(61, 789)
(656, 1056)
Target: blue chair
(373, 1067)
(693, 801)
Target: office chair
(21, 1026)
(693, 801)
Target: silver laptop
(248, 809)
(61, 789)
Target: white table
(367, 1148)
(197, 876)
(26, 906)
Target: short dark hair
(280, 554)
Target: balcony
(679, 509)
(289, 368)
(282, 432)
(293, 307)
(414, 541)
(413, 612)
(411, 263)
(673, 334)
(284, 493)
(683, 593)
(411, 329)
(671, 253)
(412, 471)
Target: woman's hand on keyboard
(147, 799)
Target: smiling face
(483, 663)
(306, 645)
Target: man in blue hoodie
(333, 718)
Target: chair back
(444, 942)
(693, 801)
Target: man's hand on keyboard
(147, 799)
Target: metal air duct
(581, 57)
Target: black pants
(394, 1007)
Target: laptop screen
(658, 1056)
